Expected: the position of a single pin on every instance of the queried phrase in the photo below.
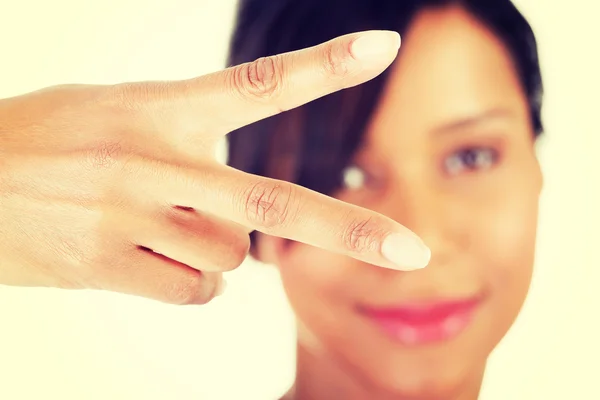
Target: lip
(420, 323)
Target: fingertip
(406, 251)
(375, 44)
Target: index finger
(229, 99)
(290, 211)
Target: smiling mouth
(424, 322)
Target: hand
(117, 187)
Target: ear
(268, 249)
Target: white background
(85, 345)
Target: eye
(471, 159)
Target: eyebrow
(473, 121)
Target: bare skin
(117, 187)
(449, 153)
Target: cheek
(309, 272)
(507, 237)
(318, 286)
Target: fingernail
(375, 43)
(406, 251)
(221, 288)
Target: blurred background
(89, 345)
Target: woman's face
(449, 153)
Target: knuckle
(362, 236)
(75, 265)
(122, 95)
(261, 79)
(336, 63)
(137, 96)
(188, 290)
(79, 244)
(71, 252)
(105, 155)
(83, 256)
(268, 204)
(237, 253)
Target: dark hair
(312, 145)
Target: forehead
(450, 68)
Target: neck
(319, 377)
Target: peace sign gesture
(117, 187)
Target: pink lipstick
(424, 322)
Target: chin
(437, 371)
(421, 380)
